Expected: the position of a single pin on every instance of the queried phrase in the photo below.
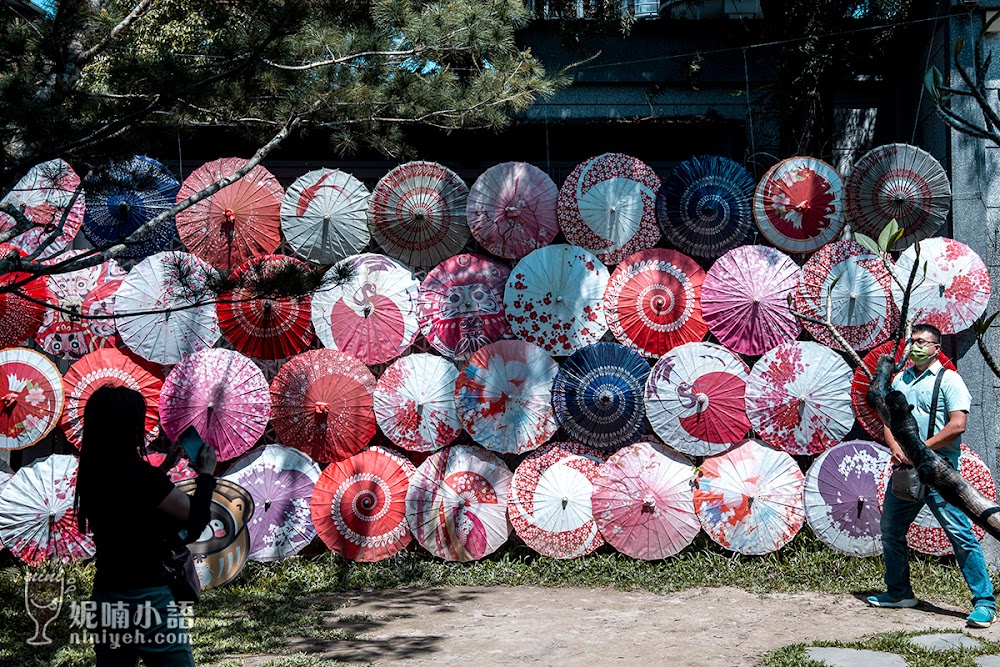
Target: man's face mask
(921, 353)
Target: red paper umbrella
(859, 386)
(238, 222)
(263, 327)
(113, 367)
(653, 301)
(321, 403)
(799, 205)
(31, 397)
(359, 505)
(20, 317)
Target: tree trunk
(933, 470)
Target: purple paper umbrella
(841, 497)
(280, 480)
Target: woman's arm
(194, 511)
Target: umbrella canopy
(68, 336)
(321, 403)
(859, 385)
(223, 395)
(45, 195)
(695, 398)
(125, 195)
(31, 395)
(109, 366)
(549, 501)
(264, 326)
(642, 501)
(99, 303)
(280, 480)
(860, 288)
(512, 209)
(653, 301)
(417, 213)
(504, 396)
(456, 505)
(902, 183)
(359, 505)
(744, 299)
(37, 521)
(749, 500)
(221, 551)
(798, 398)
(461, 305)
(841, 497)
(415, 402)
(367, 307)
(597, 396)
(21, 308)
(607, 205)
(952, 287)
(555, 298)
(324, 216)
(164, 309)
(798, 205)
(926, 534)
(236, 223)
(705, 206)
(181, 470)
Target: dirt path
(597, 627)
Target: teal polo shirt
(954, 396)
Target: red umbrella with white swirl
(643, 502)
(22, 308)
(653, 301)
(608, 205)
(504, 396)
(223, 394)
(324, 216)
(549, 501)
(860, 289)
(32, 397)
(744, 299)
(417, 213)
(44, 195)
(799, 204)
(415, 402)
(367, 307)
(555, 299)
(695, 399)
(798, 398)
(456, 505)
(512, 209)
(461, 305)
(952, 286)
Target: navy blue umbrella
(598, 396)
(122, 197)
(705, 206)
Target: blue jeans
(149, 619)
(897, 515)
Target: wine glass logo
(43, 599)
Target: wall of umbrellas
(611, 360)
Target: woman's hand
(205, 462)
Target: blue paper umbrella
(705, 206)
(597, 396)
(124, 196)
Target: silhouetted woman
(137, 517)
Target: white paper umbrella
(555, 299)
(798, 398)
(37, 521)
(415, 402)
(158, 307)
(954, 290)
(324, 216)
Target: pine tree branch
(137, 12)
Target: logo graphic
(43, 600)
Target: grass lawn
(891, 642)
(269, 602)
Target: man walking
(917, 384)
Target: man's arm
(951, 431)
(898, 457)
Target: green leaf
(959, 45)
(886, 235)
(981, 326)
(867, 242)
(933, 81)
(895, 238)
(837, 280)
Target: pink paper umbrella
(607, 205)
(46, 193)
(512, 209)
(223, 395)
(461, 305)
(550, 500)
(744, 299)
(643, 502)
